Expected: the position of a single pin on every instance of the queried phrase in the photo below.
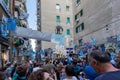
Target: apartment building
(98, 19)
(53, 15)
(4, 40)
(21, 44)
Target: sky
(32, 19)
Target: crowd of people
(94, 66)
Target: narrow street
(59, 39)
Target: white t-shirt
(36, 68)
(73, 78)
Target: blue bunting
(14, 50)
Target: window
(82, 26)
(58, 7)
(76, 16)
(81, 12)
(57, 18)
(6, 2)
(67, 8)
(77, 29)
(68, 19)
(68, 31)
(77, 1)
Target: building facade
(10, 8)
(21, 44)
(57, 17)
(98, 19)
(4, 34)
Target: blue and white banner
(56, 38)
(33, 34)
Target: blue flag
(5, 27)
(41, 52)
(80, 54)
(11, 24)
(93, 41)
(30, 52)
(14, 50)
(4, 32)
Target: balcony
(17, 3)
(4, 6)
(17, 10)
(23, 23)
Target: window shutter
(6, 2)
(58, 18)
(81, 12)
(78, 1)
(68, 19)
(76, 17)
(82, 26)
(67, 8)
(76, 29)
(68, 32)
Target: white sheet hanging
(33, 34)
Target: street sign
(69, 50)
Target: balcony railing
(3, 4)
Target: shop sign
(69, 50)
